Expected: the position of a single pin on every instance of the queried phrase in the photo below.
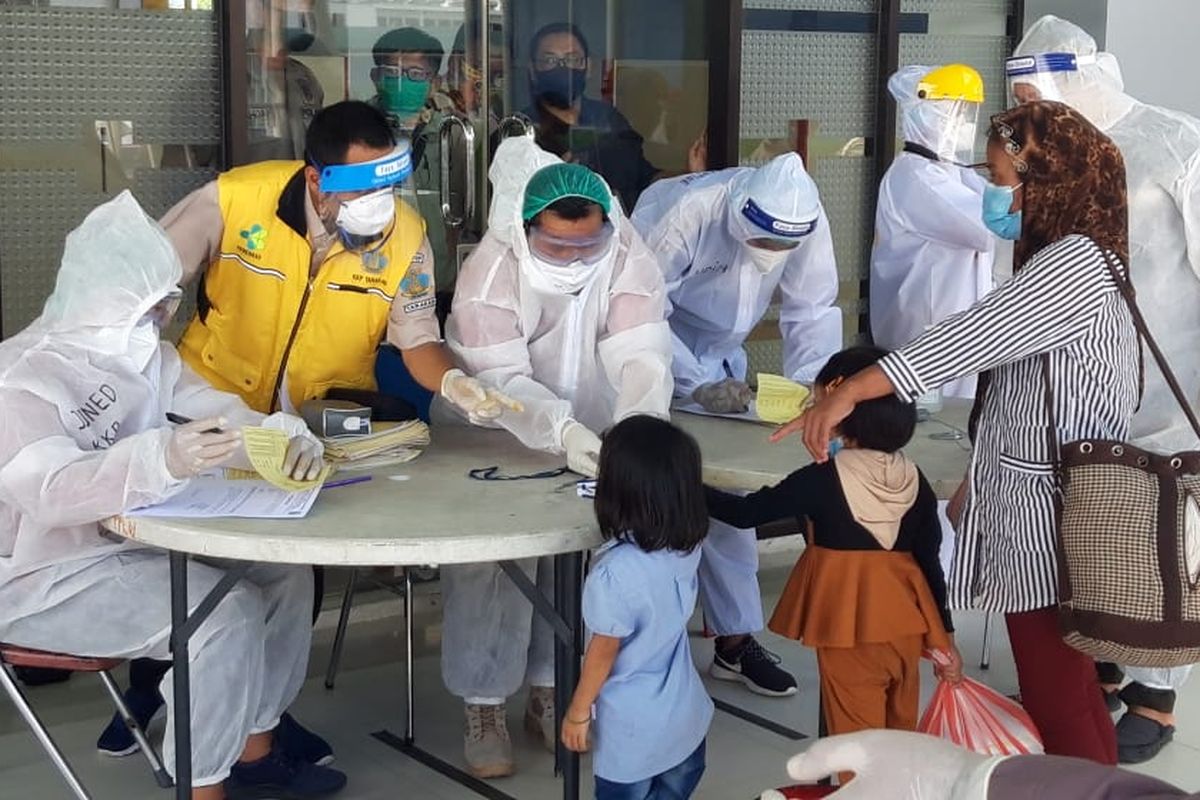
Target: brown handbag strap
(1125, 286)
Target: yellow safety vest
(260, 312)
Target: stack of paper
(388, 443)
(779, 400)
(267, 448)
(214, 497)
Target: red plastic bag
(980, 719)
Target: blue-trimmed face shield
(1041, 76)
(776, 234)
(360, 198)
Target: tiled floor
(743, 759)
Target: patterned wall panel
(65, 68)
(985, 53)
(863, 6)
(823, 77)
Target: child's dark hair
(650, 491)
(885, 423)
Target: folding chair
(11, 657)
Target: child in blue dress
(640, 697)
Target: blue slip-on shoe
(117, 741)
(279, 776)
(301, 743)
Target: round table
(429, 511)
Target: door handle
(517, 125)
(446, 137)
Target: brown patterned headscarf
(1073, 182)
(1074, 178)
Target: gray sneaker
(486, 743)
(539, 716)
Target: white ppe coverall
(1161, 149)
(717, 295)
(595, 356)
(933, 255)
(82, 439)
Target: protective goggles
(780, 228)
(368, 176)
(561, 251)
(774, 245)
(162, 312)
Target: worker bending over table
(561, 308)
(727, 241)
(84, 391)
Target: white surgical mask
(368, 215)
(143, 343)
(765, 261)
(568, 279)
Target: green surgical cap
(551, 184)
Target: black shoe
(301, 743)
(1112, 701)
(279, 776)
(116, 741)
(756, 668)
(1139, 738)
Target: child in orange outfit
(868, 593)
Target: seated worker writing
(304, 269)
(868, 593)
(84, 392)
(561, 308)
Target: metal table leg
(180, 677)
(182, 628)
(568, 589)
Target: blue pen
(346, 482)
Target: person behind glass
(578, 128)
(407, 63)
(868, 592)
(640, 701)
(1057, 188)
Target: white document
(219, 497)
(697, 409)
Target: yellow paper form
(779, 400)
(266, 448)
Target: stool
(11, 656)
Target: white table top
(738, 457)
(439, 515)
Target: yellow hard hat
(952, 82)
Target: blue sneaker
(301, 743)
(116, 741)
(278, 776)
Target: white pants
(492, 639)
(728, 575)
(1161, 679)
(248, 659)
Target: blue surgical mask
(835, 447)
(997, 200)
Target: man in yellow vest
(307, 266)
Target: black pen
(179, 419)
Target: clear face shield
(770, 240)
(361, 198)
(957, 131)
(1041, 77)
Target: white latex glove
(897, 765)
(480, 403)
(192, 449)
(583, 449)
(303, 460)
(729, 396)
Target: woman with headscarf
(1058, 189)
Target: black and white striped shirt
(1064, 303)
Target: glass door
(617, 85)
